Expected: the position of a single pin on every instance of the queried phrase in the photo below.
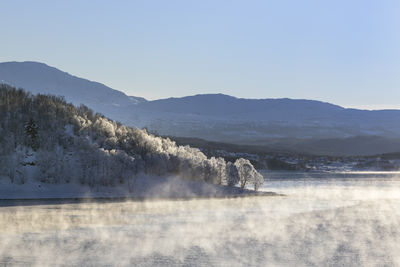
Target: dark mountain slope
(39, 78)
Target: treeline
(45, 138)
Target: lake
(324, 219)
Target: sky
(346, 52)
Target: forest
(43, 137)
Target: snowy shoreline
(146, 187)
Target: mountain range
(296, 124)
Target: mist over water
(324, 220)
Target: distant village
(288, 162)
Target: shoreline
(10, 202)
(145, 188)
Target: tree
(31, 132)
(258, 180)
(248, 174)
(232, 174)
(244, 168)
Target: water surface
(345, 219)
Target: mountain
(228, 106)
(254, 121)
(218, 117)
(41, 78)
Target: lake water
(335, 219)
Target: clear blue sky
(343, 51)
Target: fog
(340, 220)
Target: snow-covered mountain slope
(45, 139)
(214, 117)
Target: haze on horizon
(342, 52)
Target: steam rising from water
(321, 222)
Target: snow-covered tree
(232, 174)
(31, 131)
(248, 174)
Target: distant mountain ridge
(248, 121)
(214, 117)
(231, 105)
(40, 78)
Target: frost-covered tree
(258, 180)
(248, 174)
(245, 171)
(232, 174)
(31, 131)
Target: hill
(43, 138)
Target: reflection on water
(284, 178)
(324, 220)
